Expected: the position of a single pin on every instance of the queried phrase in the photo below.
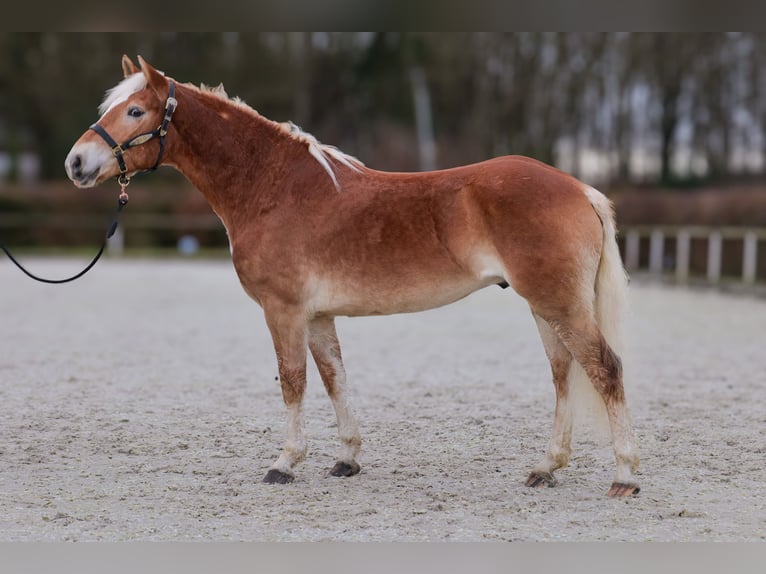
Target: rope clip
(123, 198)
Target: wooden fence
(695, 252)
(130, 224)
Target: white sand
(140, 403)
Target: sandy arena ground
(140, 403)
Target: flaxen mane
(321, 152)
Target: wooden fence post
(115, 245)
(656, 251)
(683, 250)
(749, 257)
(714, 252)
(632, 248)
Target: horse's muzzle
(75, 167)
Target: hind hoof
(345, 469)
(275, 476)
(538, 479)
(622, 489)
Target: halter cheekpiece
(161, 131)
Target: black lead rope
(117, 150)
(121, 202)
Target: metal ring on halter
(123, 198)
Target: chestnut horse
(315, 234)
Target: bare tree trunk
(423, 119)
(668, 125)
(299, 47)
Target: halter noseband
(161, 131)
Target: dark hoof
(538, 479)
(621, 489)
(345, 469)
(275, 476)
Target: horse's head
(130, 135)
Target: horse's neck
(226, 152)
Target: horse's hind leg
(559, 449)
(604, 369)
(323, 342)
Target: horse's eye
(135, 112)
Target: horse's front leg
(289, 333)
(325, 348)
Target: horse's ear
(154, 78)
(128, 67)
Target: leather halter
(161, 131)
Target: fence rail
(677, 261)
(128, 223)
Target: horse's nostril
(75, 167)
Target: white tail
(612, 282)
(610, 291)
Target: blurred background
(670, 125)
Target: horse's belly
(404, 297)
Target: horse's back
(515, 185)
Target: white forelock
(122, 92)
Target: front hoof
(275, 476)
(345, 469)
(537, 479)
(622, 489)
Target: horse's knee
(293, 382)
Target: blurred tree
(622, 106)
